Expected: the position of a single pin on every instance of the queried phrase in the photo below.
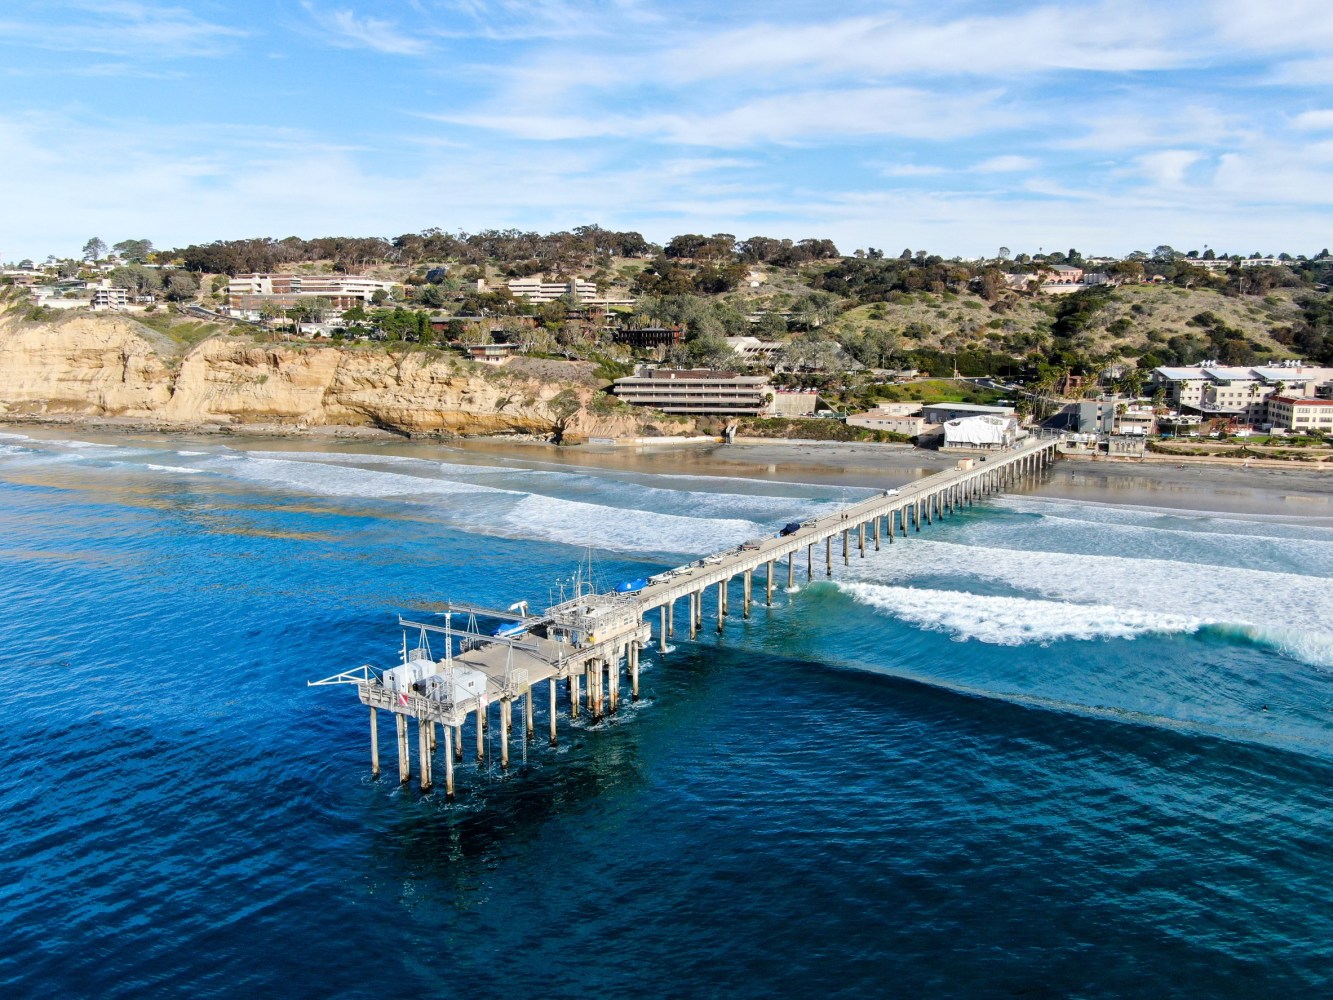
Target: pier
(590, 644)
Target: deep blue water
(1045, 748)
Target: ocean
(1051, 746)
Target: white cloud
(1008, 164)
(910, 170)
(124, 29)
(345, 29)
(1167, 167)
(791, 118)
(1314, 121)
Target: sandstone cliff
(111, 366)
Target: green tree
(771, 325)
(94, 249)
(134, 251)
(181, 285)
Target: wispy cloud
(121, 28)
(792, 118)
(346, 29)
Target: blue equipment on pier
(630, 586)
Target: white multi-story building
(1240, 393)
(107, 296)
(696, 391)
(536, 290)
(247, 293)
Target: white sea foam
(1266, 524)
(578, 523)
(340, 480)
(1013, 621)
(174, 468)
(1249, 595)
(491, 510)
(1285, 610)
(1195, 540)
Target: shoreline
(145, 425)
(1275, 487)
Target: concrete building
(793, 403)
(752, 350)
(697, 391)
(1309, 416)
(536, 290)
(248, 293)
(894, 423)
(107, 296)
(1109, 416)
(1235, 392)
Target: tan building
(537, 290)
(247, 293)
(884, 420)
(1309, 416)
(698, 391)
(793, 403)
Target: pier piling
(424, 727)
(404, 762)
(374, 744)
(448, 764)
(552, 711)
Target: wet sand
(1296, 492)
(1300, 491)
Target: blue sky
(952, 127)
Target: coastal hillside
(1128, 322)
(107, 366)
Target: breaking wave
(1014, 621)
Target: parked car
(790, 528)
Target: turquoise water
(1046, 747)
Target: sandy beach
(1295, 490)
